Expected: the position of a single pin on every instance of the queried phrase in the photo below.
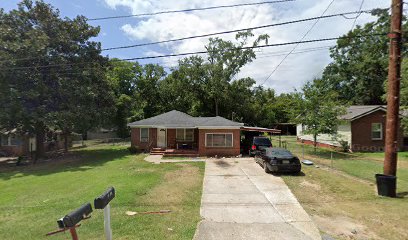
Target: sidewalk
(241, 201)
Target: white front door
(161, 137)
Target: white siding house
(343, 133)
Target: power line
(283, 53)
(287, 55)
(358, 15)
(239, 30)
(204, 52)
(189, 10)
(221, 33)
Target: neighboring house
(174, 130)
(362, 127)
(14, 143)
(101, 133)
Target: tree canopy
(360, 62)
(53, 76)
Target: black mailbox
(103, 200)
(75, 216)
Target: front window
(218, 140)
(10, 140)
(185, 134)
(144, 135)
(376, 131)
(14, 140)
(4, 140)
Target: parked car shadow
(300, 174)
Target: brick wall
(135, 139)
(212, 151)
(361, 139)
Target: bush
(133, 150)
(345, 146)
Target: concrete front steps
(157, 151)
(174, 152)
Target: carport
(249, 132)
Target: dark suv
(259, 144)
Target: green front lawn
(346, 208)
(341, 195)
(34, 197)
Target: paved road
(241, 201)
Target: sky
(304, 64)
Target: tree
(360, 62)
(319, 111)
(404, 94)
(183, 89)
(53, 76)
(225, 59)
(147, 89)
(122, 76)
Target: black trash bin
(386, 185)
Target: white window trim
(184, 135)
(232, 140)
(381, 132)
(140, 135)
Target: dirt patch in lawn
(174, 187)
(307, 184)
(348, 208)
(343, 227)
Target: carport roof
(177, 119)
(259, 129)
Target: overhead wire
(303, 37)
(189, 10)
(203, 52)
(239, 30)
(219, 33)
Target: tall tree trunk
(216, 107)
(39, 141)
(315, 142)
(66, 133)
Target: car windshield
(262, 141)
(278, 153)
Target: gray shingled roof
(179, 119)
(354, 112)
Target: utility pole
(393, 93)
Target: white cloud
(297, 68)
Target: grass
(347, 208)
(361, 165)
(34, 197)
(341, 195)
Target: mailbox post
(70, 221)
(102, 202)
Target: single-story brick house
(362, 127)
(208, 136)
(14, 143)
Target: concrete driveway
(241, 201)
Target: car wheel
(266, 168)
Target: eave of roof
(259, 129)
(176, 119)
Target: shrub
(345, 146)
(133, 150)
